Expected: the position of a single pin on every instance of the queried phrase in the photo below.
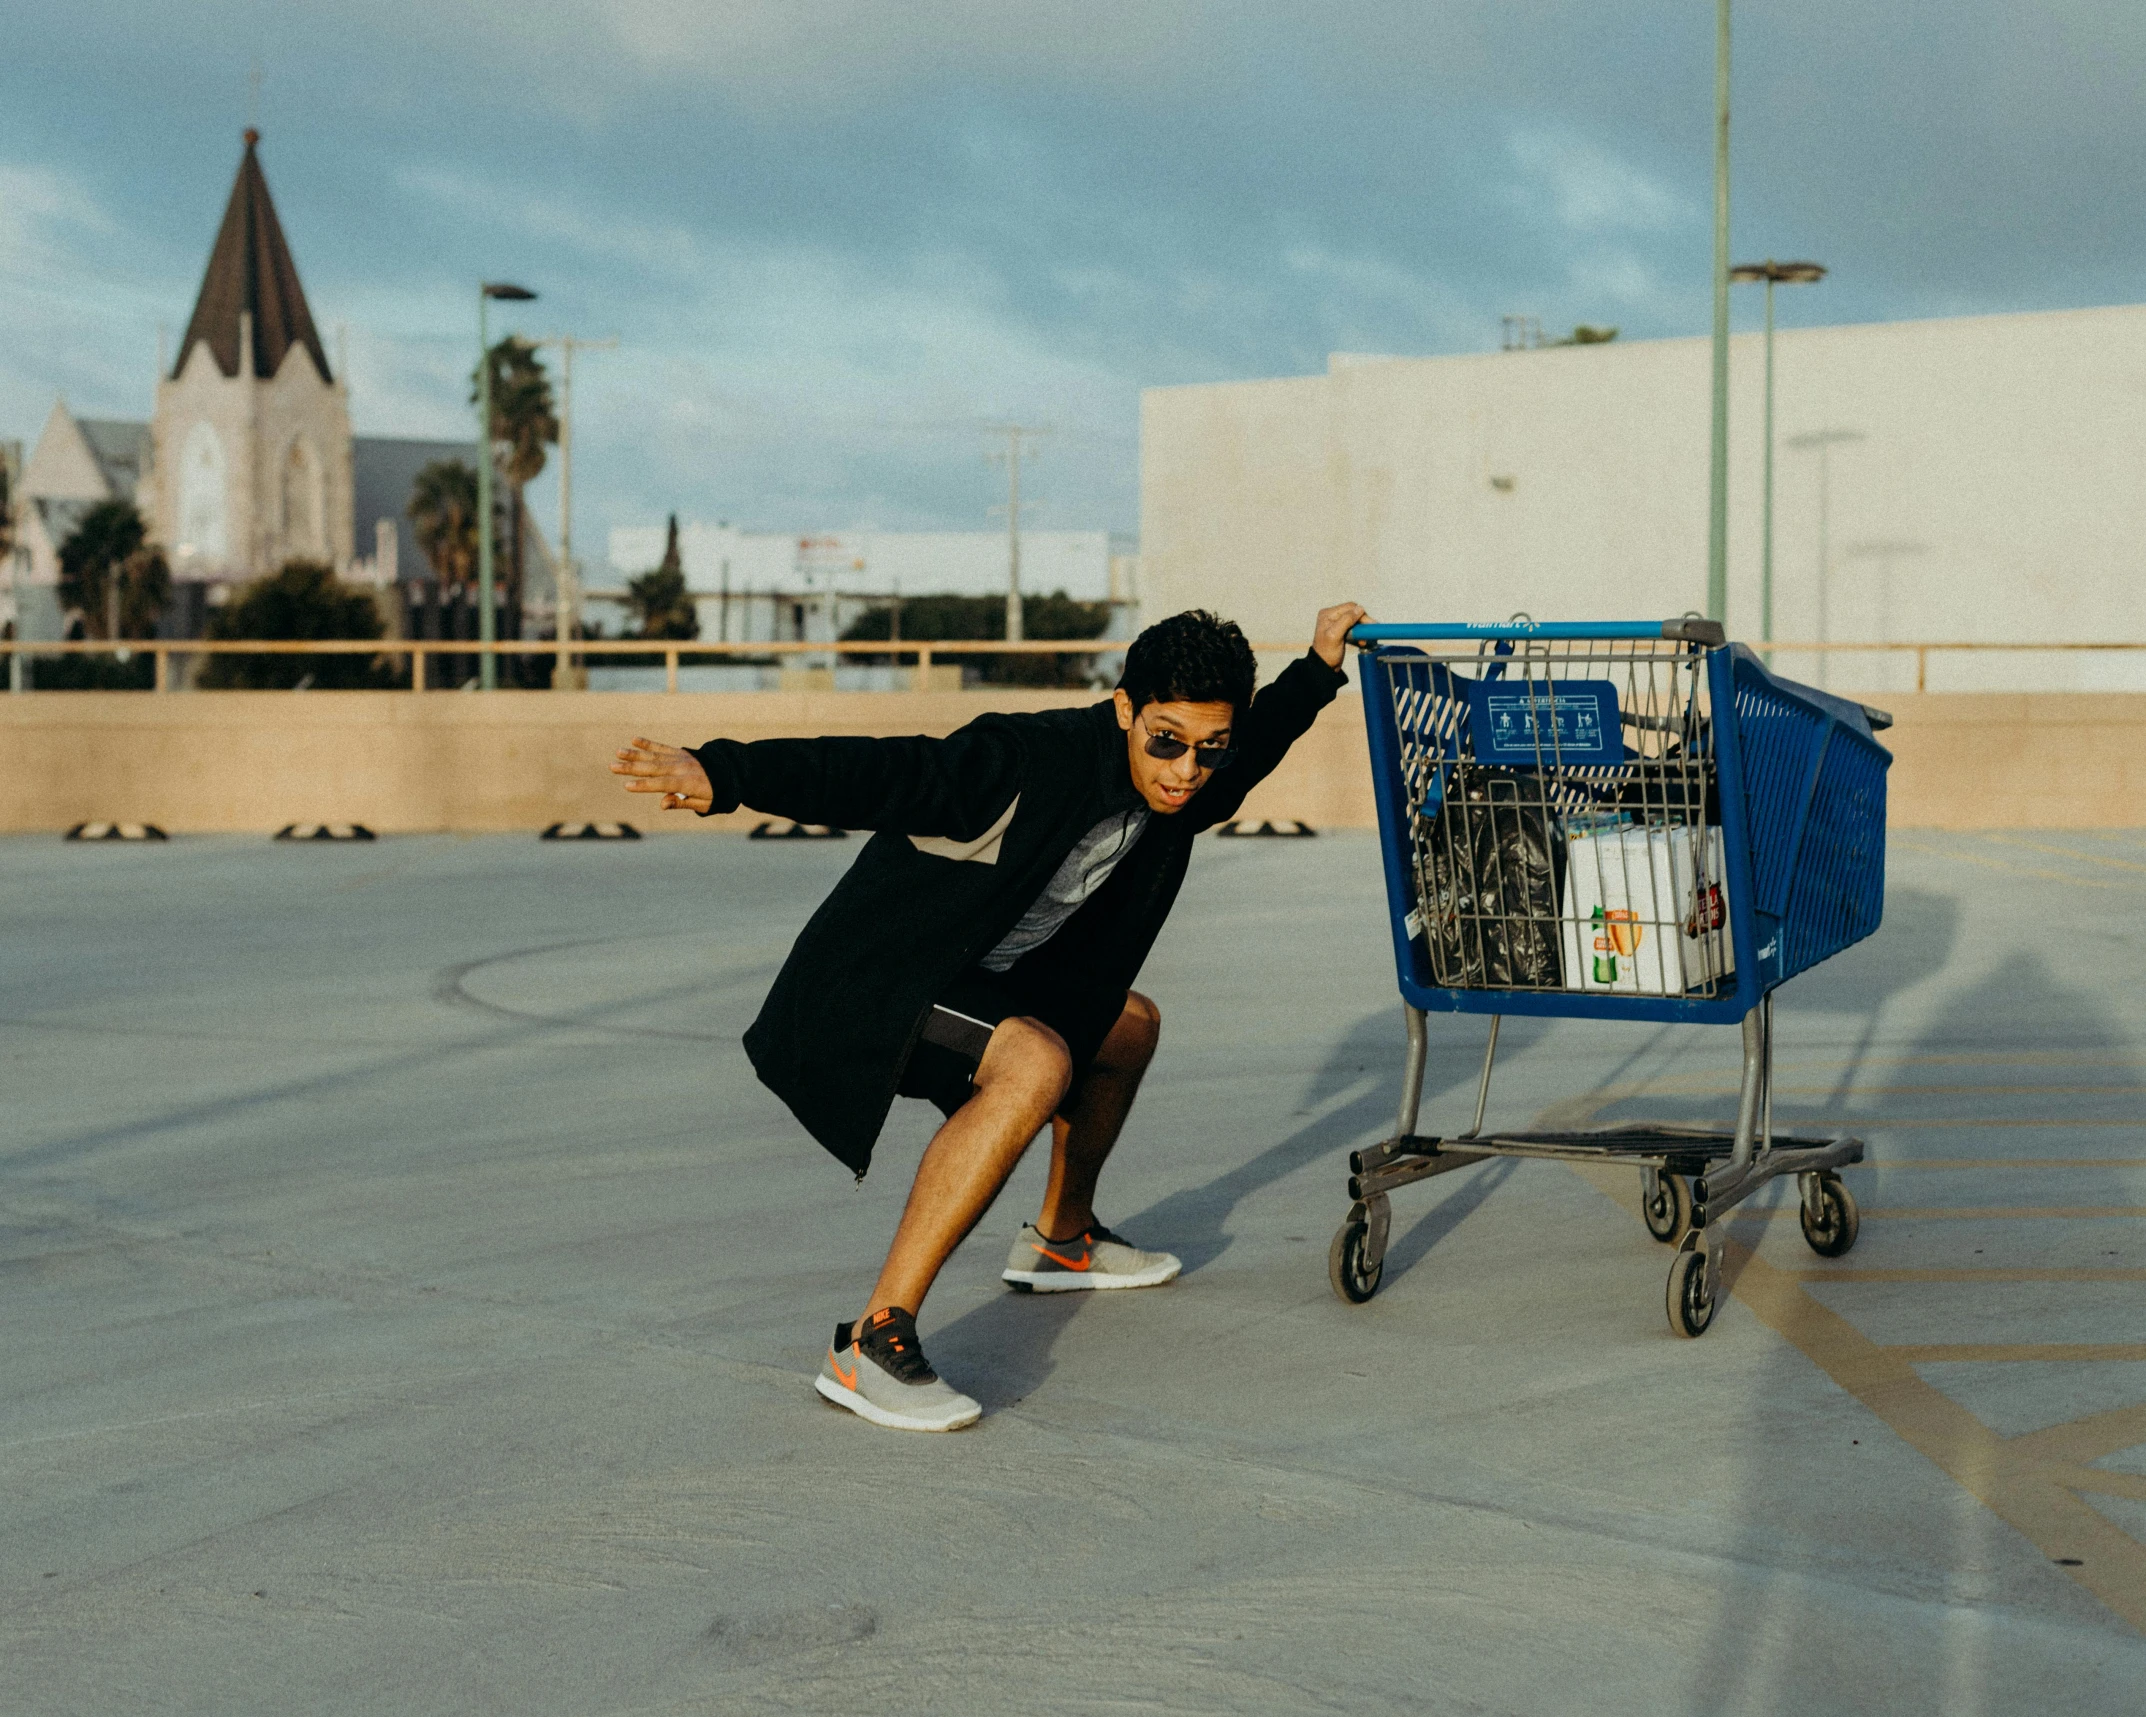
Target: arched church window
(202, 533)
(302, 502)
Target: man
(980, 953)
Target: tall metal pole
(1013, 535)
(1766, 552)
(567, 604)
(1825, 554)
(1717, 520)
(487, 664)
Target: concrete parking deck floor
(410, 1300)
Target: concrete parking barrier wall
(254, 761)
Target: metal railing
(411, 653)
(1923, 651)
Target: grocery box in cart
(1640, 916)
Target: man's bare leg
(1019, 1083)
(1082, 1137)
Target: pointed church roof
(251, 269)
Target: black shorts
(939, 1072)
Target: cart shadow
(1191, 1222)
(1007, 1343)
(1474, 1189)
(2019, 1033)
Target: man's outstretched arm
(954, 786)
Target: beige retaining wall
(253, 761)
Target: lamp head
(506, 290)
(1780, 273)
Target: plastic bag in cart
(1491, 866)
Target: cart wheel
(1668, 1212)
(1690, 1310)
(1832, 1237)
(1353, 1280)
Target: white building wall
(1984, 479)
(775, 581)
(917, 563)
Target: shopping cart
(1629, 821)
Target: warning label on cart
(1545, 723)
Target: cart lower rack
(1629, 820)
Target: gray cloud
(836, 236)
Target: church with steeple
(247, 460)
(250, 442)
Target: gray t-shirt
(1087, 868)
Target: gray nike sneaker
(1094, 1258)
(878, 1371)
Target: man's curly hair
(1192, 657)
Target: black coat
(970, 829)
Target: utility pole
(1012, 457)
(567, 623)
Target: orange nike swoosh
(1085, 1261)
(848, 1379)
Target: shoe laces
(889, 1335)
(1094, 1234)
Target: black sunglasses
(1168, 748)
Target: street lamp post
(1821, 442)
(1717, 510)
(487, 619)
(1773, 274)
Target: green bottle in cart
(1605, 962)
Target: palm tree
(110, 574)
(524, 424)
(660, 597)
(443, 513)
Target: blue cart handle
(1686, 631)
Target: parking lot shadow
(1355, 1092)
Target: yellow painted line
(1971, 1276)
(2016, 1353)
(1955, 1164)
(1961, 1213)
(1871, 1093)
(1938, 1123)
(2108, 1483)
(2088, 1439)
(2008, 869)
(2030, 1482)
(1896, 1123)
(1980, 1058)
(2066, 852)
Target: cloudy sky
(837, 237)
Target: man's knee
(1139, 1028)
(1029, 1053)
